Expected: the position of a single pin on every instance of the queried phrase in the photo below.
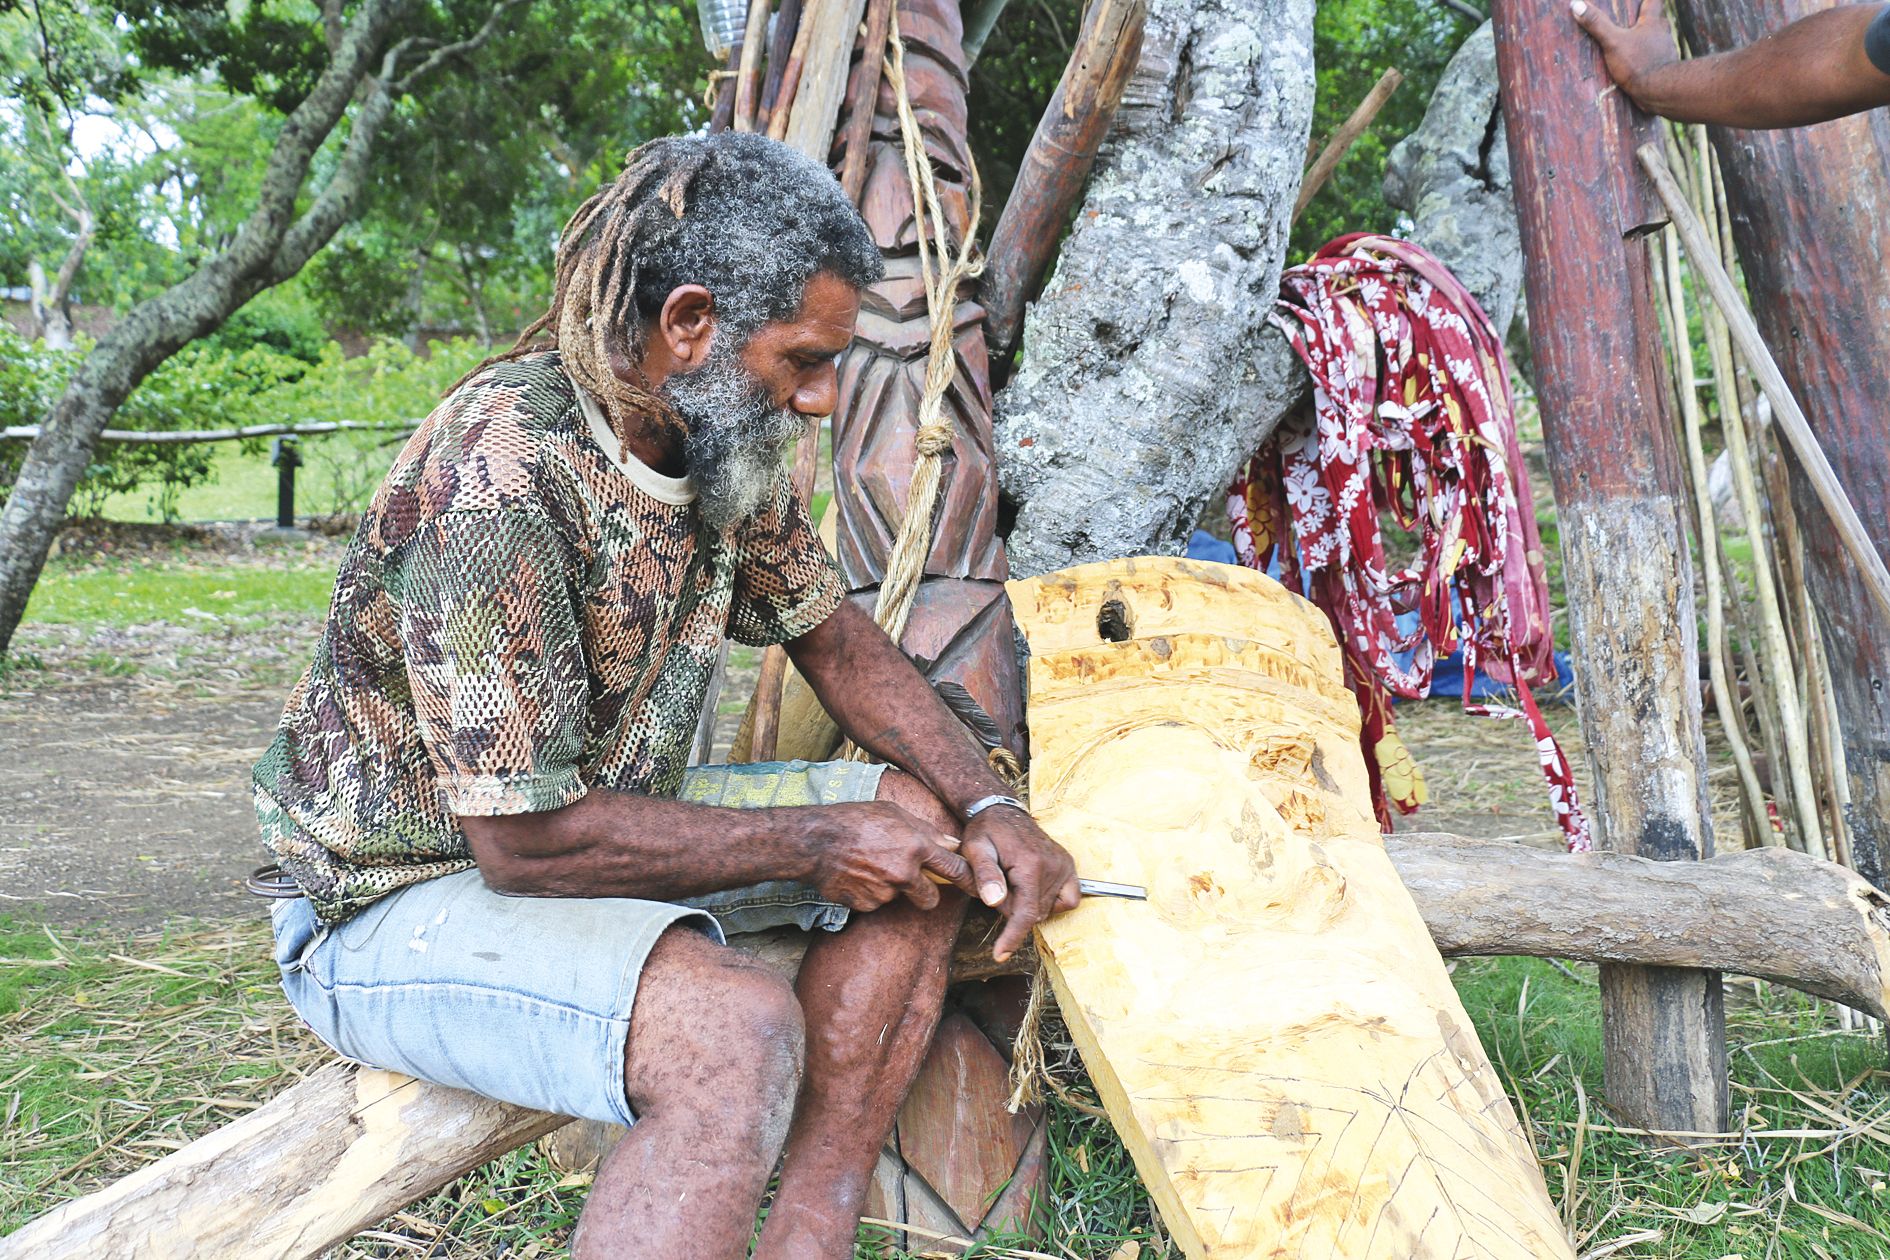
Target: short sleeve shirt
(525, 612)
(1877, 40)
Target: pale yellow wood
(1272, 1032)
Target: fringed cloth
(1411, 419)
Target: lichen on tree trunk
(1451, 176)
(1148, 371)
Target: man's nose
(820, 396)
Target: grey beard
(735, 436)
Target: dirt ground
(124, 769)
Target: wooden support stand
(1808, 209)
(1612, 454)
(347, 1147)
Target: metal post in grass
(1584, 207)
(287, 458)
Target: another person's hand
(1632, 52)
(1020, 871)
(878, 852)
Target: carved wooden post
(956, 1147)
(1808, 208)
(961, 626)
(1613, 458)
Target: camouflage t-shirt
(522, 614)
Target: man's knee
(716, 1029)
(896, 787)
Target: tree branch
(460, 49)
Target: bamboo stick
(1791, 418)
(1725, 701)
(747, 85)
(1803, 799)
(1342, 139)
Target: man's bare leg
(870, 995)
(711, 1071)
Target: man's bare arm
(1809, 71)
(617, 844)
(885, 705)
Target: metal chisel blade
(1103, 888)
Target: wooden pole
(1618, 489)
(787, 25)
(747, 86)
(864, 90)
(1808, 208)
(1348, 133)
(1055, 167)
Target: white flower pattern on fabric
(1412, 417)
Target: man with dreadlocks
(501, 875)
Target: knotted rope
(942, 272)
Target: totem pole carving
(960, 629)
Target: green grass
(124, 593)
(339, 473)
(106, 1062)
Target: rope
(905, 563)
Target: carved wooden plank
(1271, 1031)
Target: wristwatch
(987, 802)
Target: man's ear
(686, 324)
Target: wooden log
(1277, 1044)
(1055, 167)
(1616, 469)
(1769, 913)
(1344, 138)
(316, 1165)
(1808, 207)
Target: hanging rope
(942, 271)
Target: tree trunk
(1451, 176)
(1615, 465)
(1148, 371)
(1808, 207)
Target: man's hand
(1632, 52)
(1020, 871)
(879, 851)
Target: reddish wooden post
(1809, 207)
(1615, 465)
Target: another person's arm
(1818, 68)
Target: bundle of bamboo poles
(1771, 681)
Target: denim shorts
(528, 999)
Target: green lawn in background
(126, 594)
(339, 473)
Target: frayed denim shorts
(528, 999)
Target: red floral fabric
(1411, 419)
